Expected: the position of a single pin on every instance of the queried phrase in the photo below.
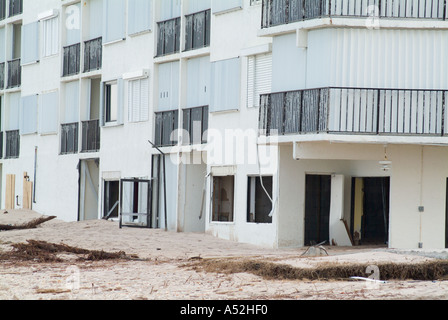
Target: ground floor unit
(294, 194)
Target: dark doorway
(111, 199)
(370, 210)
(317, 209)
(446, 219)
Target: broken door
(111, 199)
(317, 209)
(370, 210)
(10, 193)
(135, 202)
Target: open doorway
(370, 210)
(111, 199)
(88, 189)
(446, 217)
(317, 209)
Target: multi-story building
(281, 123)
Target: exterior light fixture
(385, 164)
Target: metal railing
(197, 30)
(69, 138)
(195, 125)
(1, 144)
(165, 128)
(12, 144)
(14, 73)
(168, 37)
(355, 111)
(72, 58)
(93, 54)
(15, 7)
(90, 136)
(2, 9)
(2, 76)
(278, 12)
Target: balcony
(403, 112)
(90, 136)
(1, 144)
(14, 74)
(279, 12)
(195, 123)
(166, 127)
(2, 9)
(2, 76)
(71, 63)
(93, 54)
(69, 138)
(15, 7)
(197, 32)
(12, 144)
(168, 37)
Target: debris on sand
(41, 251)
(29, 225)
(425, 271)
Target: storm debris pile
(427, 271)
(43, 252)
(29, 225)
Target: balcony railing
(2, 9)
(195, 123)
(71, 63)
(278, 12)
(14, 73)
(168, 37)
(69, 138)
(1, 144)
(93, 54)
(197, 31)
(166, 127)
(12, 144)
(355, 111)
(90, 136)
(2, 76)
(15, 7)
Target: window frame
(215, 216)
(108, 91)
(255, 181)
(53, 23)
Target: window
(223, 199)
(28, 123)
(259, 195)
(29, 38)
(138, 100)
(111, 102)
(114, 20)
(139, 16)
(259, 77)
(223, 6)
(48, 113)
(225, 84)
(50, 37)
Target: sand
(163, 270)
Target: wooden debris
(29, 225)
